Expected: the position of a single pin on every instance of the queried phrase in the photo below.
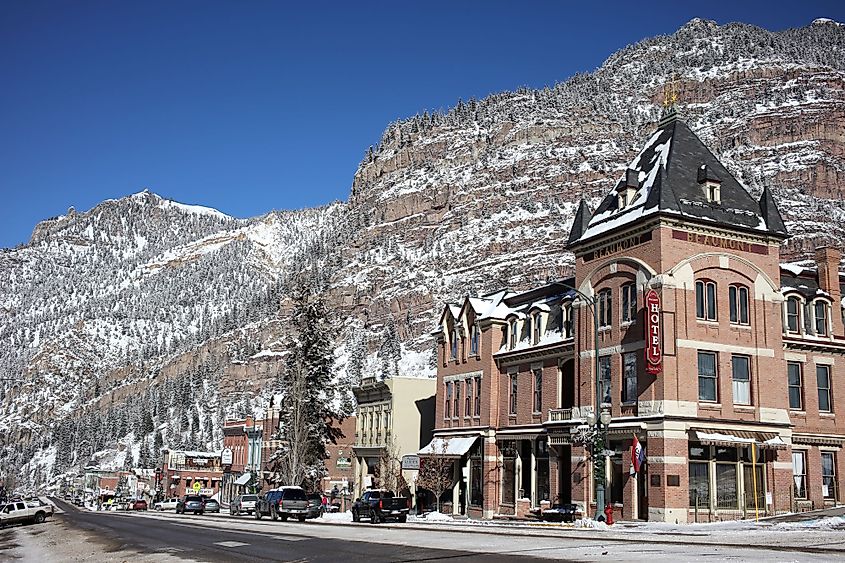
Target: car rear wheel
(39, 517)
(301, 517)
(403, 519)
(284, 517)
(373, 518)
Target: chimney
(827, 261)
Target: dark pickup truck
(283, 503)
(379, 506)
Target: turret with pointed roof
(676, 174)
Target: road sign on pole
(197, 486)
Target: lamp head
(591, 419)
(605, 417)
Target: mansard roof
(669, 176)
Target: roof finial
(670, 97)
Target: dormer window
(512, 334)
(820, 317)
(473, 340)
(626, 191)
(793, 314)
(454, 345)
(535, 327)
(711, 184)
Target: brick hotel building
(736, 403)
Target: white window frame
(798, 311)
(707, 295)
(737, 298)
(737, 385)
(824, 305)
(629, 303)
(605, 304)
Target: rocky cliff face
(104, 305)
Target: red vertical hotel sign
(653, 355)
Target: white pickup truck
(21, 512)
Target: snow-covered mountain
(123, 300)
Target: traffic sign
(197, 486)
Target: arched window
(566, 319)
(535, 327)
(605, 300)
(793, 314)
(820, 317)
(705, 300)
(512, 333)
(454, 344)
(738, 299)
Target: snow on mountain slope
(107, 302)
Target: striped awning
(818, 440)
(737, 438)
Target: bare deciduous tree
(436, 470)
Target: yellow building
(395, 418)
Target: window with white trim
(741, 379)
(799, 473)
(454, 345)
(457, 412)
(604, 379)
(629, 377)
(513, 334)
(820, 317)
(514, 388)
(447, 413)
(536, 327)
(467, 397)
(474, 340)
(705, 300)
(538, 389)
(828, 475)
(793, 314)
(738, 301)
(477, 395)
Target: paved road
(220, 537)
(203, 538)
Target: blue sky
(253, 106)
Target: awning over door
(243, 479)
(454, 446)
(737, 438)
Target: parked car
(243, 504)
(166, 504)
(283, 503)
(559, 512)
(190, 503)
(315, 505)
(139, 504)
(379, 505)
(212, 505)
(24, 512)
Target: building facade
(394, 418)
(182, 469)
(729, 382)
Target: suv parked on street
(243, 504)
(283, 503)
(190, 503)
(20, 512)
(167, 504)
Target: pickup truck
(379, 505)
(20, 512)
(283, 503)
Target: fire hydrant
(608, 514)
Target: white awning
(447, 446)
(740, 438)
(243, 479)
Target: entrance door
(642, 493)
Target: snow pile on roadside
(590, 523)
(334, 517)
(830, 523)
(435, 517)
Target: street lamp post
(601, 421)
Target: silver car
(243, 504)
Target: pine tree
(308, 413)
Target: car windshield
(193, 499)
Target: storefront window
(799, 474)
(476, 483)
(750, 473)
(726, 486)
(699, 484)
(828, 475)
(542, 459)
